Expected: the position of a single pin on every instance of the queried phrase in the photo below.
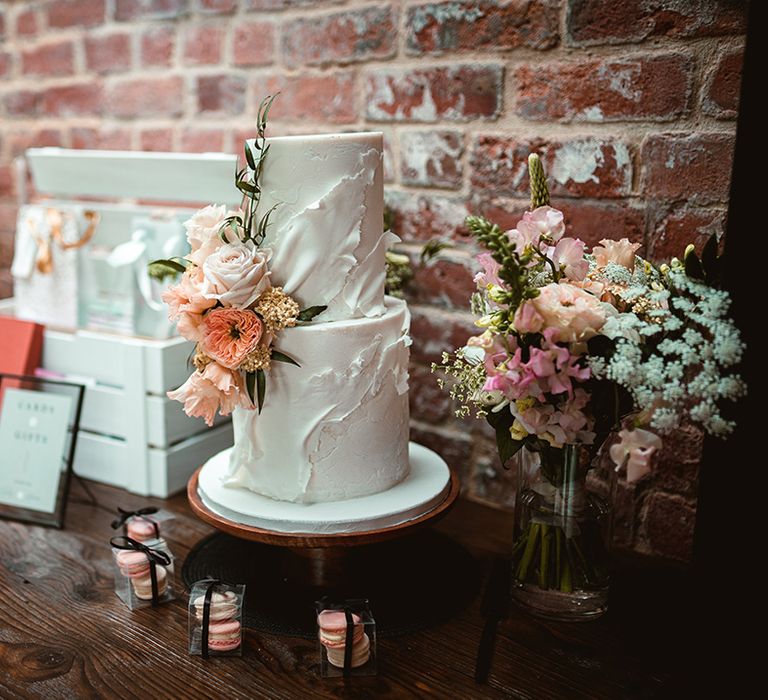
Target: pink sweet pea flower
(568, 255)
(542, 221)
(490, 274)
(636, 448)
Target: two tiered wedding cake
(337, 426)
(294, 336)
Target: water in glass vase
(559, 555)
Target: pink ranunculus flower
(203, 232)
(214, 389)
(568, 255)
(236, 274)
(490, 274)
(620, 252)
(186, 296)
(230, 335)
(575, 315)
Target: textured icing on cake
(337, 427)
(327, 232)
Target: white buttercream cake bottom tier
(424, 488)
(337, 426)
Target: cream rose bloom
(203, 232)
(236, 274)
(575, 314)
(620, 252)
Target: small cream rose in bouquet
(225, 302)
(576, 346)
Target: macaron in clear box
(133, 564)
(224, 633)
(346, 651)
(143, 524)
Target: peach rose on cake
(215, 388)
(573, 313)
(619, 252)
(236, 274)
(230, 335)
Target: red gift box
(21, 346)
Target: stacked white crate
(131, 434)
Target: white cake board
(425, 488)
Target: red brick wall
(632, 103)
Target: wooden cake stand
(393, 566)
(311, 540)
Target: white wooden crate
(131, 434)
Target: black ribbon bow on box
(154, 557)
(358, 604)
(126, 515)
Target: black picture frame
(65, 473)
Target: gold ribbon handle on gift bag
(55, 221)
(44, 259)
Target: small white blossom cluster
(674, 363)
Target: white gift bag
(49, 242)
(117, 293)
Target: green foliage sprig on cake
(225, 302)
(576, 344)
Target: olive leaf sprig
(248, 181)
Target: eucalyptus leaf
(249, 157)
(261, 387)
(261, 229)
(250, 386)
(160, 269)
(246, 187)
(278, 356)
(309, 313)
(507, 446)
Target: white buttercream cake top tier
(327, 233)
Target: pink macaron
(141, 529)
(224, 636)
(333, 628)
(223, 606)
(361, 652)
(132, 563)
(142, 585)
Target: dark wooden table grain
(64, 633)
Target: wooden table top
(64, 633)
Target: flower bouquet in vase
(585, 357)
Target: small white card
(33, 435)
